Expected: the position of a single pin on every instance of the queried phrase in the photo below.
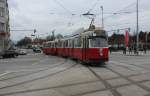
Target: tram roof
(82, 32)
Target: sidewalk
(141, 53)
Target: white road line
(39, 69)
(36, 63)
(27, 70)
(5, 73)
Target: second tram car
(88, 46)
(50, 48)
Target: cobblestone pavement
(40, 75)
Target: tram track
(113, 89)
(34, 72)
(123, 64)
(139, 72)
(107, 85)
(46, 88)
(42, 77)
(137, 83)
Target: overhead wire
(93, 7)
(119, 12)
(67, 10)
(128, 23)
(61, 5)
(72, 14)
(129, 19)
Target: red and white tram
(50, 48)
(87, 46)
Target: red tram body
(50, 48)
(87, 46)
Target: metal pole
(146, 40)
(53, 34)
(137, 30)
(118, 38)
(102, 16)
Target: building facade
(4, 26)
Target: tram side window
(77, 42)
(46, 45)
(69, 43)
(85, 43)
(49, 45)
(53, 45)
(66, 43)
(59, 44)
(62, 44)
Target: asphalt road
(40, 75)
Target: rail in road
(115, 78)
(47, 73)
(30, 71)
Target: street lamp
(102, 16)
(137, 29)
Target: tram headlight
(101, 51)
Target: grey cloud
(30, 14)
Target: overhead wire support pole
(137, 28)
(146, 40)
(102, 16)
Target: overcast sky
(48, 15)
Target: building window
(2, 12)
(2, 27)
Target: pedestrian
(110, 51)
(124, 50)
(144, 49)
(130, 50)
(135, 51)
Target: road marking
(27, 70)
(4, 61)
(36, 63)
(5, 73)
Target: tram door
(84, 50)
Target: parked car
(37, 50)
(22, 52)
(10, 53)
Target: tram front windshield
(98, 42)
